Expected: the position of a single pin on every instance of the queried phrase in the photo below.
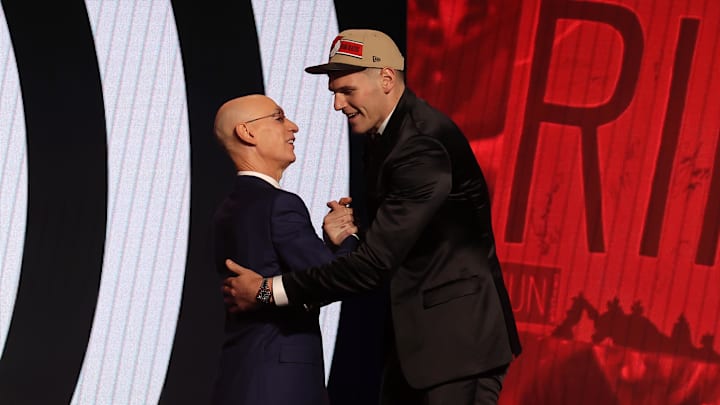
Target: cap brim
(333, 67)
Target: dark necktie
(374, 156)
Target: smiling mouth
(351, 115)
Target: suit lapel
(377, 150)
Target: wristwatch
(264, 294)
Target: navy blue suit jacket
(274, 355)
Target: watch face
(264, 293)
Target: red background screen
(597, 126)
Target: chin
(357, 129)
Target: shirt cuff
(356, 236)
(279, 295)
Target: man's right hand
(240, 291)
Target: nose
(291, 125)
(339, 102)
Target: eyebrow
(340, 89)
(278, 110)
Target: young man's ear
(389, 79)
(243, 133)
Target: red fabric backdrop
(597, 125)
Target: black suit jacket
(271, 356)
(431, 238)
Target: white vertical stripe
(148, 202)
(293, 35)
(13, 180)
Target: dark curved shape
(221, 58)
(67, 201)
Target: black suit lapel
(377, 149)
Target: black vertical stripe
(67, 199)
(221, 58)
(358, 357)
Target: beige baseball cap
(355, 50)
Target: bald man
(270, 356)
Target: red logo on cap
(346, 47)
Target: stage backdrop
(597, 124)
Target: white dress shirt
(279, 295)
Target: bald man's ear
(243, 133)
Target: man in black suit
(270, 357)
(431, 239)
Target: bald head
(236, 111)
(256, 135)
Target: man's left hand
(239, 291)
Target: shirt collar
(263, 176)
(384, 123)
